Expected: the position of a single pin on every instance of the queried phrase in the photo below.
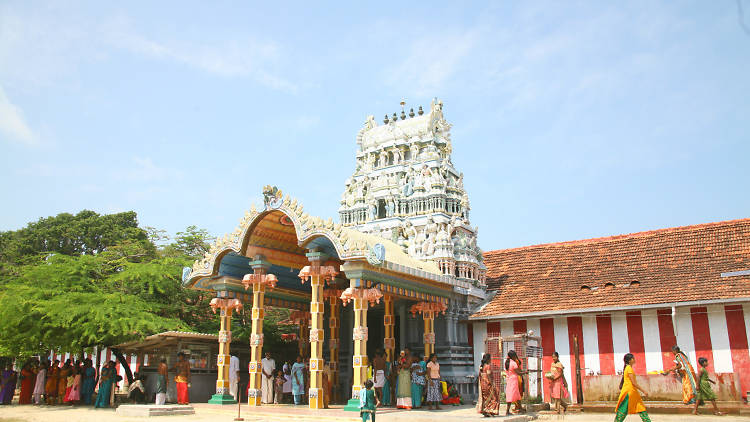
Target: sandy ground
(206, 413)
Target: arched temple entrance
(282, 257)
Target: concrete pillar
(334, 323)
(403, 337)
(317, 275)
(225, 306)
(260, 282)
(389, 342)
(429, 332)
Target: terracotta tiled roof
(681, 264)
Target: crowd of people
(77, 382)
(409, 382)
(696, 390)
(49, 383)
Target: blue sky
(571, 119)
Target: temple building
(400, 269)
(640, 293)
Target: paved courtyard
(206, 413)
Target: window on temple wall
(390, 158)
(377, 162)
(407, 155)
(381, 208)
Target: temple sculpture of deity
(406, 189)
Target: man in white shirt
(234, 375)
(268, 366)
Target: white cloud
(431, 60)
(248, 57)
(12, 122)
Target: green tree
(74, 302)
(71, 282)
(86, 233)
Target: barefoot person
(488, 403)
(684, 370)
(512, 387)
(378, 373)
(558, 384)
(433, 384)
(705, 393)
(161, 382)
(182, 379)
(368, 402)
(630, 401)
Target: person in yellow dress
(630, 401)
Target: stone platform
(148, 410)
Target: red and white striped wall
(717, 332)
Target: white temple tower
(406, 189)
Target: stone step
(148, 410)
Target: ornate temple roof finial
(420, 112)
(395, 117)
(385, 120)
(403, 115)
(411, 112)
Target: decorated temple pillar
(428, 311)
(317, 275)
(361, 297)
(225, 307)
(303, 336)
(260, 281)
(389, 342)
(334, 323)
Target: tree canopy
(71, 282)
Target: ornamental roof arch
(282, 232)
(282, 225)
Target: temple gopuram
(400, 269)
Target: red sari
(27, 386)
(488, 403)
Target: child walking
(278, 383)
(368, 402)
(705, 393)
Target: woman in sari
(88, 381)
(558, 384)
(8, 379)
(106, 380)
(488, 403)
(27, 383)
(512, 384)
(41, 380)
(630, 401)
(387, 385)
(417, 382)
(403, 395)
(298, 380)
(684, 369)
(74, 395)
(51, 386)
(62, 382)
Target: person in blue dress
(106, 380)
(89, 382)
(368, 402)
(298, 380)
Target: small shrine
(399, 269)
